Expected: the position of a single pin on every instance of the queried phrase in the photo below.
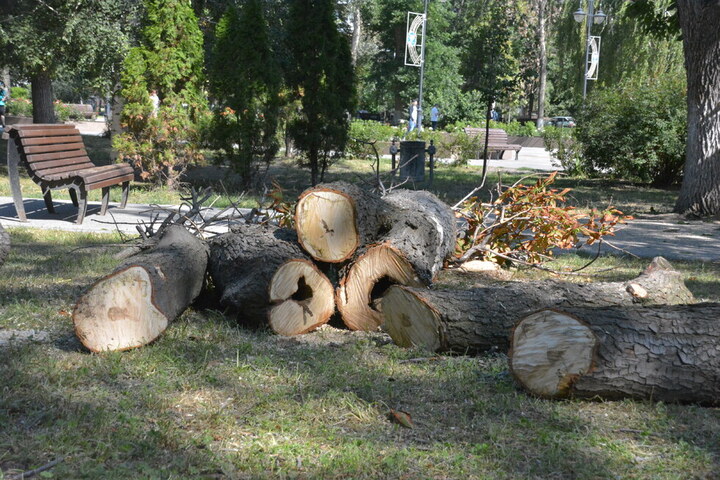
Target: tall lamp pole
(590, 17)
(422, 67)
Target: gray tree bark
(42, 98)
(133, 305)
(665, 353)
(481, 319)
(700, 191)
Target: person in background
(434, 116)
(3, 98)
(412, 117)
(155, 102)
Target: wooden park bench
(497, 140)
(55, 158)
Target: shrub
(19, 93)
(636, 131)
(564, 149)
(21, 107)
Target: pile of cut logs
(373, 258)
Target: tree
(697, 20)
(44, 39)
(322, 76)
(170, 60)
(246, 121)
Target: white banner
(413, 39)
(593, 58)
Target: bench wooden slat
(47, 132)
(41, 157)
(497, 139)
(53, 169)
(31, 141)
(39, 161)
(55, 148)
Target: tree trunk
(665, 353)
(700, 191)
(4, 245)
(542, 54)
(411, 253)
(302, 298)
(333, 220)
(133, 305)
(42, 98)
(242, 264)
(356, 33)
(480, 319)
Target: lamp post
(590, 58)
(422, 68)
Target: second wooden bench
(497, 140)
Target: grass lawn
(212, 400)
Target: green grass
(212, 400)
(451, 183)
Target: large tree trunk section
(42, 98)
(480, 319)
(333, 220)
(302, 297)
(4, 245)
(243, 262)
(423, 228)
(133, 305)
(700, 191)
(365, 282)
(666, 353)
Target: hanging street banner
(413, 39)
(593, 58)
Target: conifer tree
(245, 80)
(322, 76)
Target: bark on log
(480, 319)
(302, 298)
(263, 275)
(4, 245)
(133, 305)
(333, 220)
(666, 353)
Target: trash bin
(412, 160)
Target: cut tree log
(4, 245)
(133, 305)
(422, 236)
(480, 319)
(302, 298)
(255, 265)
(666, 353)
(333, 220)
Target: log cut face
(333, 220)
(243, 262)
(133, 305)
(480, 319)
(665, 353)
(302, 298)
(4, 245)
(365, 282)
(423, 228)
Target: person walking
(412, 117)
(434, 116)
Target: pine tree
(322, 75)
(246, 81)
(169, 60)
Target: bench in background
(497, 140)
(55, 158)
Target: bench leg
(73, 197)
(82, 204)
(47, 196)
(125, 192)
(105, 200)
(13, 159)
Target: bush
(19, 93)
(563, 148)
(636, 131)
(21, 107)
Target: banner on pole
(413, 39)
(593, 58)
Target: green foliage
(170, 59)
(244, 128)
(22, 107)
(19, 93)
(636, 131)
(563, 148)
(322, 76)
(525, 223)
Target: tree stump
(4, 245)
(480, 319)
(133, 305)
(667, 353)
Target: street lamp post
(590, 57)
(422, 68)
